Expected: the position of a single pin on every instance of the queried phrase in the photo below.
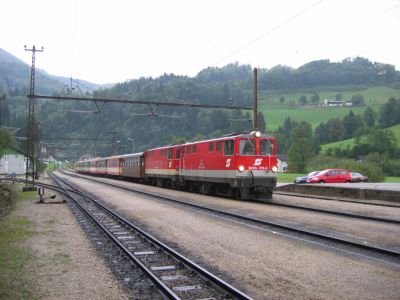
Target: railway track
(320, 197)
(176, 276)
(331, 241)
(269, 202)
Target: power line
(270, 31)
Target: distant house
(283, 163)
(336, 103)
(12, 161)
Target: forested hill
(358, 71)
(15, 78)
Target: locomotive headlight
(274, 168)
(241, 168)
(257, 134)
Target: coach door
(180, 153)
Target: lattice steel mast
(30, 143)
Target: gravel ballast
(263, 264)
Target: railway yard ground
(52, 256)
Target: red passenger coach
(101, 166)
(92, 166)
(114, 166)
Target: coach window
(170, 153)
(211, 147)
(218, 146)
(178, 154)
(188, 148)
(194, 149)
(228, 147)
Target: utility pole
(30, 143)
(255, 106)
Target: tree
(299, 153)
(315, 98)
(334, 130)
(281, 99)
(369, 117)
(389, 114)
(351, 123)
(6, 139)
(338, 97)
(357, 100)
(382, 141)
(303, 100)
(261, 121)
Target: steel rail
(261, 222)
(192, 265)
(335, 212)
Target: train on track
(241, 166)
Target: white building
(283, 163)
(12, 162)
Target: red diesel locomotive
(240, 166)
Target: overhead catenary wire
(269, 32)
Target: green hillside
(275, 113)
(351, 142)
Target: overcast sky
(112, 41)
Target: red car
(331, 176)
(358, 177)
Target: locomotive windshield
(247, 147)
(266, 147)
(255, 147)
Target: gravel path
(260, 263)
(65, 264)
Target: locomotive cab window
(228, 147)
(218, 146)
(247, 147)
(210, 147)
(266, 147)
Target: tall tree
(389, 114)
(261, 122)
(303, 100)
(351, 123)
(369, 117)
(6, 138)
(299, 153)
(315, 98)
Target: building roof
(282, 157)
